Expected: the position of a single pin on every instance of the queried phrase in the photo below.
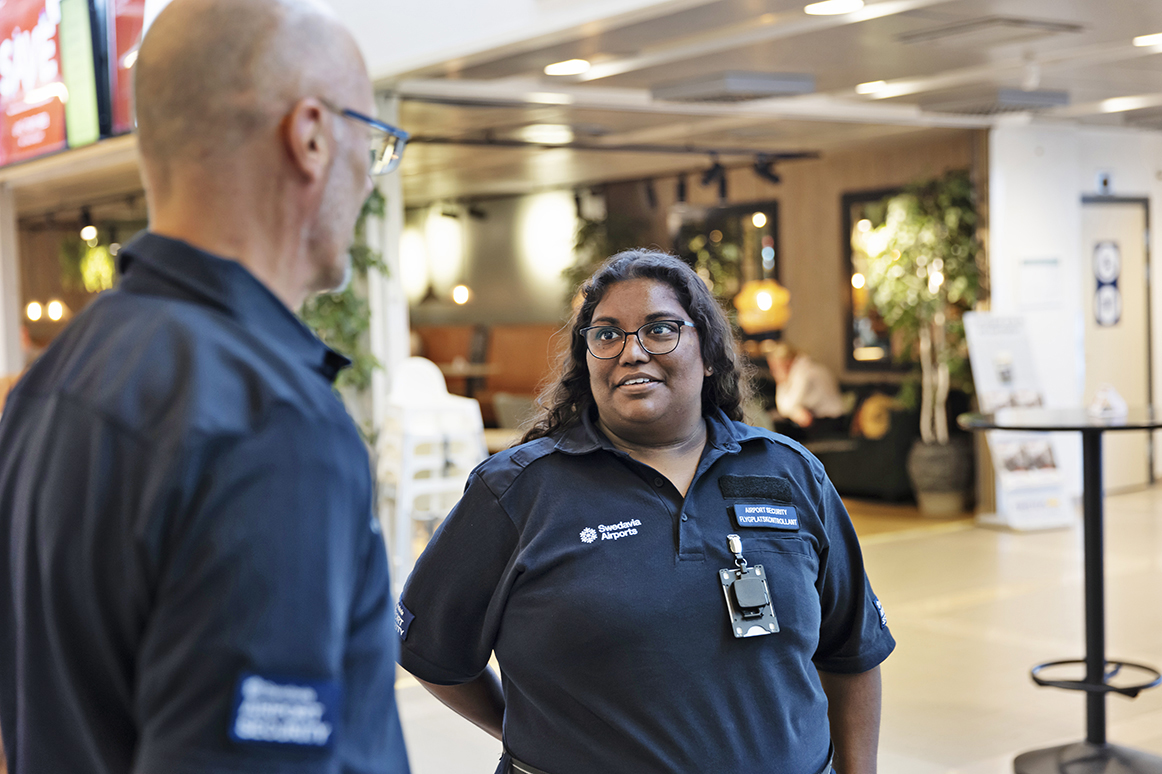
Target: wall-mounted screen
(125, 25)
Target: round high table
(1094, 755)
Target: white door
(1116, 327)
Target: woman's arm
(480, 701)
(854, 713)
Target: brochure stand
(1030, 488)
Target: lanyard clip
(734, 542)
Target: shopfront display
(65, 73)
(32, 88)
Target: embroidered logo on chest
(618, 531)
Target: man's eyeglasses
(387, 142)
(659, 337)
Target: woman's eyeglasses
(659, 337)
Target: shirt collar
(721, 433)
(151, 264)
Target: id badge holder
(748, 597)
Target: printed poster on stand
(1030, 487)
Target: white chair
(428, 445)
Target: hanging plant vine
(342, 319)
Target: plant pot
(941, 476)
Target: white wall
(1038, 175)
(512, 258)
(1133, 159)
(1035, 216)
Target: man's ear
(307, 138)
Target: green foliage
(598, 239)
(85, 266)
(922, 269)
(90, 266)
(72, 250)
(342, 319)
(717, 261)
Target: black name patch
(766, 516)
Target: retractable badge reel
(748, 598)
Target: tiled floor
(972, 609)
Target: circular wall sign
(1107, 261)
(1107, 307)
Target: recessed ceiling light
(569, 67)
(1149, 40)
(548, 98)
(547, 134)
(833, 7)
(1122, 104)
(871, 87)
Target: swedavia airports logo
(611, 531)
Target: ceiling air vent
(735, 87)
(999, 101)
(989, 31)
(1150, 118)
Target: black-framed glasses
(387, 141)
(659, 337)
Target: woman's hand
(480, 701)
(854, 712)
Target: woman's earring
(709, 371)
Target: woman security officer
(666, 589)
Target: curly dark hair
(567, 395)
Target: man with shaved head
(193, 578)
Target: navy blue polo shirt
(596, 584)
(191, 578)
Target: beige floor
(972, 609)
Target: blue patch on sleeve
(403, 620)
(880, 608)
(290, 712)
(766, 516)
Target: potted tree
(922, 275)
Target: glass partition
(728, 246)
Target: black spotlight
(764, 167)
(651, 195)
(715, 172)
(680, 190)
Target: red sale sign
(32, 91)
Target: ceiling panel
(931, 51)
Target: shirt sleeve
(854, 635)
(789, 396)
(451, 606)
(272, 576)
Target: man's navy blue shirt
(596, 583)
(191, 575)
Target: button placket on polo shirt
(691, 542)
